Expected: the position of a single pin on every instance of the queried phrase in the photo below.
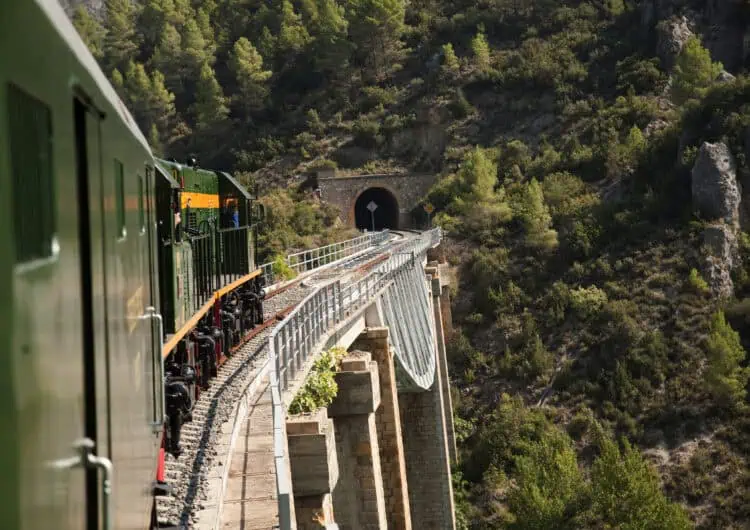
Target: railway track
(189, 475)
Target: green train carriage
(210, 287)
(91, 254)
(81, 368)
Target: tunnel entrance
(385, 215)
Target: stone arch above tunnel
(409, 189)
(386, 215)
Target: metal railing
(204, 268)
(232, 254)
(314, 258)
(297, 337)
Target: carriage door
(157, 328)
(91, 218)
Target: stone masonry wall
(388, 422)
(408, 190)
(358, 497)
(426, 445)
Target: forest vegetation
(599, 369)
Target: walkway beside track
(229, 411)
(394, 294)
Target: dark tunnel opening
(384, 216)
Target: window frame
(119, 194)
(141, 204)
(49, 242)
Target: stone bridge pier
(398, 197)
(379, 457)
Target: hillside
(594, 156)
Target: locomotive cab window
(120, 199)
(34, 219)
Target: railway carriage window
(34, 216)
(120, 198)
(141, 209)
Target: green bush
(694, 72)
(726, 376)
(281, 270)
(586, 302)
(320, 387)
(696, 282)
(367, 133)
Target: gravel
(188, 474)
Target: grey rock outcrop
(725, 77)
(720, 243)
(715, 190)
(672, 36)
(716, 197)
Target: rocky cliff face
(716, 196)
(672, 34)
(721, 23)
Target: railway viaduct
(379, 456)
(398, 197)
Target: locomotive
(126, 282)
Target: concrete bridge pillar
(314, 468)
(443, 326)
(427, 427)
(388, 421)
(358, 497)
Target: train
(127, 280)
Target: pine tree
(331, 49)
(91, 31)
(118, 82)
(726, 377)
(450, 61)
(151, 24)
(481, 50)
(195, 50)
(161, 107)
(247, 65)
(121, 42)
(203, 20)
(138, 90)
(168, 58)
(626, 493)
(548, 484)
(209, 108)
(536, 218)
(478, 175)
(293, 36)
(376, 27)
(267, 44)
(693, 72)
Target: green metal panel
(10, 516)
(42, 373)
(201, 187)
(184, 279)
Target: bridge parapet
(295, 340)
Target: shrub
(725, 376)
(367, 133)
(450, 61)
(696, 282)
(535, 217)
(320, 387)
(694, 72)
(314, 124)
(281, 269)
(481, 50)
(626, 492)
(588, 301)
(548, 484)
